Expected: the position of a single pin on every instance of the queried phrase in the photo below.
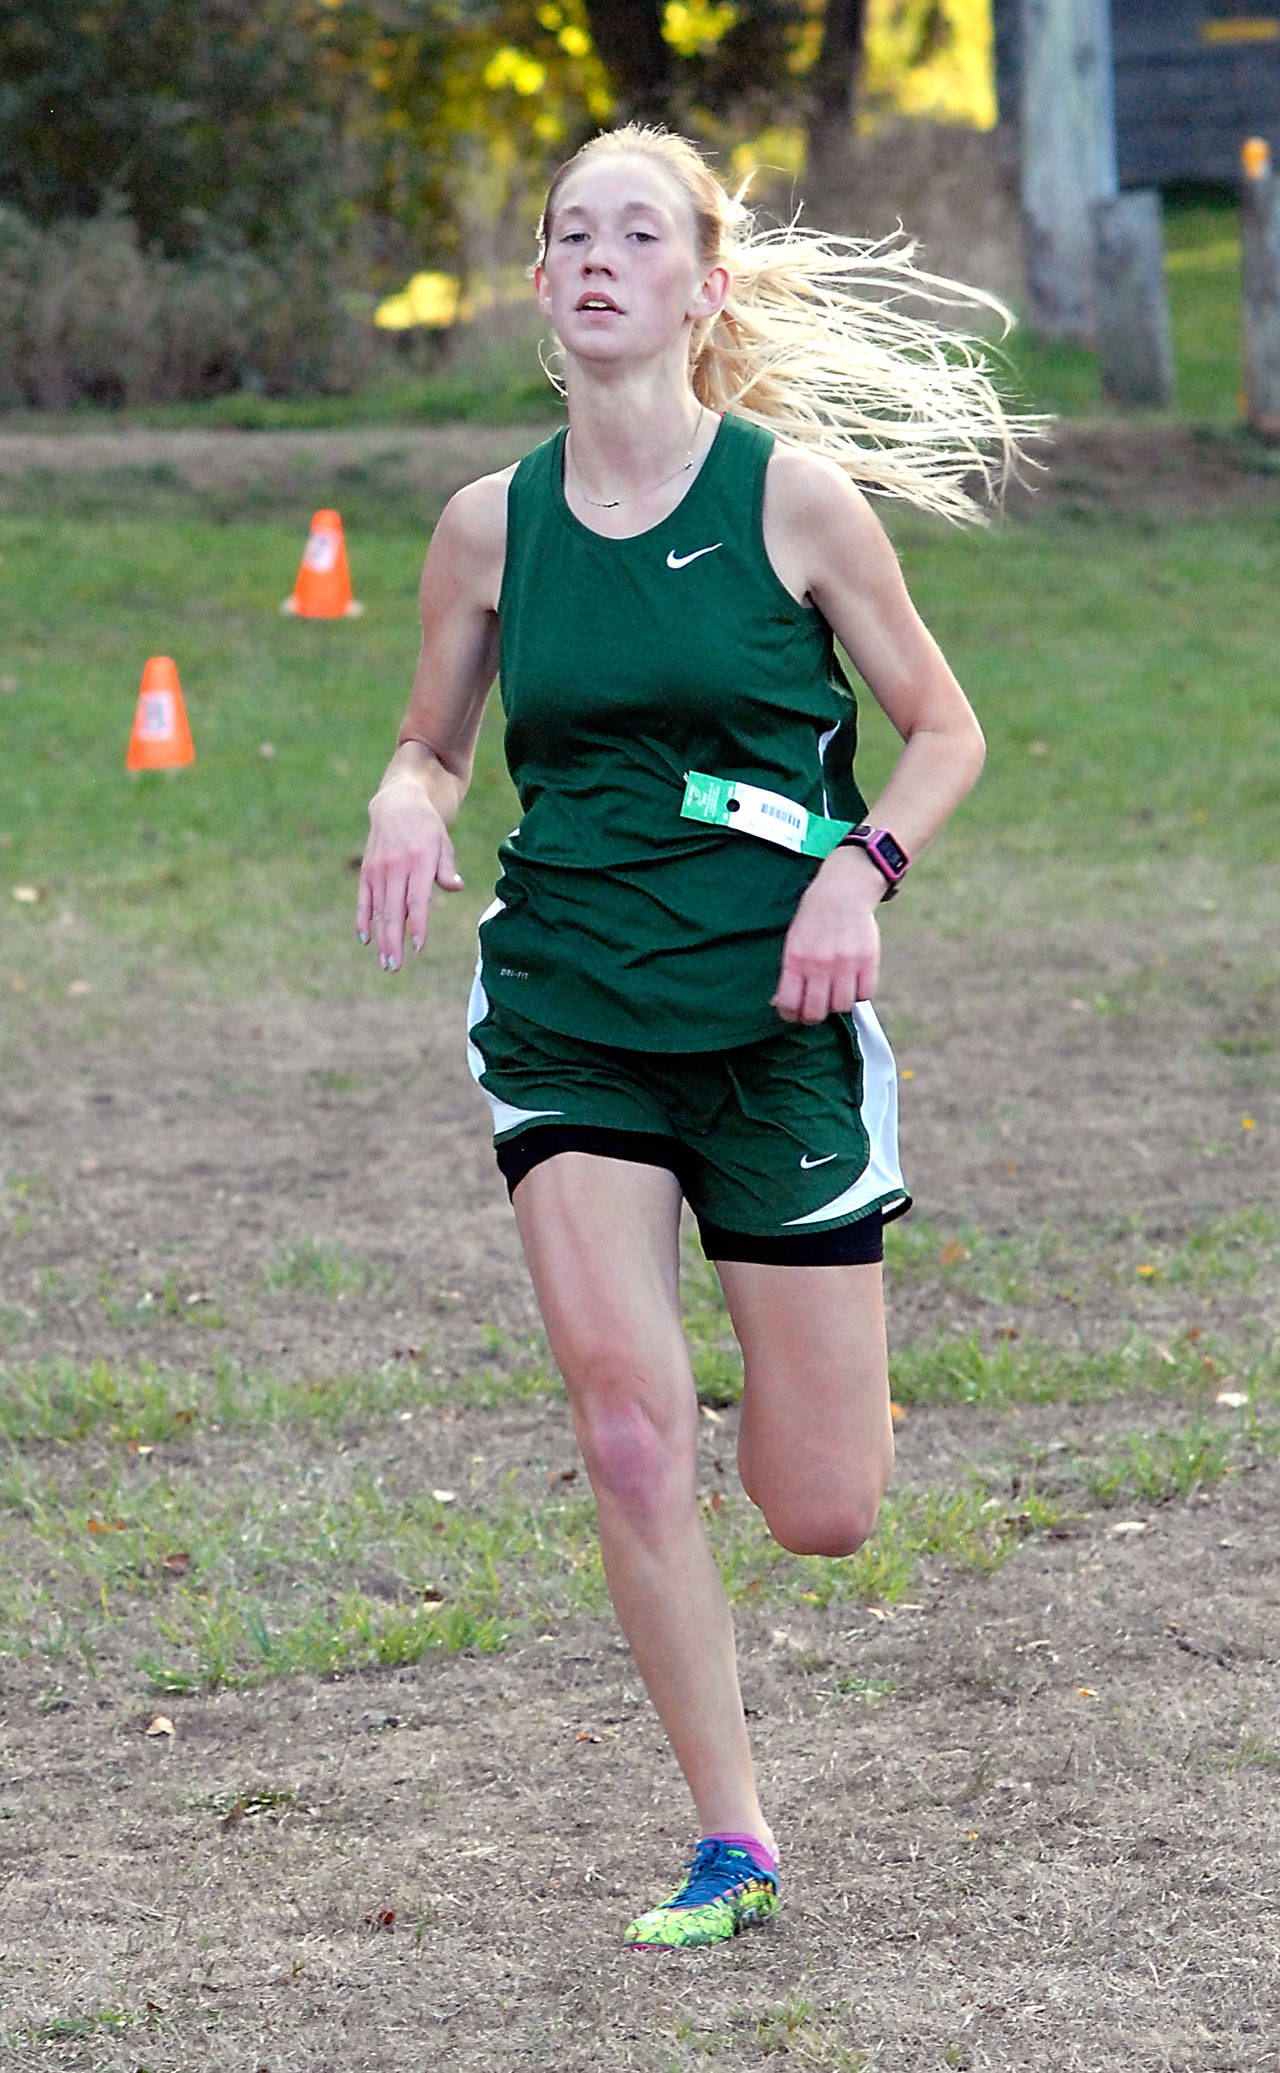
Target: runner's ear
(710, 297)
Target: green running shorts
(779, 1146)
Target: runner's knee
(633, 1461)
(830, 1523)
(639, 1447)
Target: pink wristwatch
(888, 856)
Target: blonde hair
(813, 343)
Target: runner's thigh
(816, 1434)
(602, 1240)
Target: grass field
(1124, 673)
(248, 1450)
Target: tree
(195, 114)
(636, 55)
(833, 86)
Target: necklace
(612, 503)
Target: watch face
(894, 856)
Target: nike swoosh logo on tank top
(680, 561)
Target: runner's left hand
(831, 956)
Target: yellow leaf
(691, 26)
(429, 299)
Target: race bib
(748, 810)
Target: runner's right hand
(407, 855)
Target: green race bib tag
(748, 810)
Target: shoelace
(714, 1869)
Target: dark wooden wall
(1194, 78)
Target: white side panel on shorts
(505, 1116)
(882, 1177)
(824, 742)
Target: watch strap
(885, 852)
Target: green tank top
(624, 665)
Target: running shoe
(725, 1891)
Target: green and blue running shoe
(725, 1891)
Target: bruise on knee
(634, 1460)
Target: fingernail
(361, 936)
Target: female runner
(666, 1007)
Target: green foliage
(88, 315)
(465, 104)
(200, 198)
(189, 114)
(253, 125)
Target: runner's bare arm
(409, 852)
(831, 550)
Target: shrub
(86, 315)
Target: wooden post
(1135, 339)
(1260, 223)
(1068, 157)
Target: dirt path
(1107, 464)
(1039, 1850)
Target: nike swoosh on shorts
(825, 1160)
(680, 561)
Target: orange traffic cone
(323, 588)
(161, 738)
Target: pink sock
(759, 1853)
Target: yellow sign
(1247, 29)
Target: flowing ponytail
(813, 343)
